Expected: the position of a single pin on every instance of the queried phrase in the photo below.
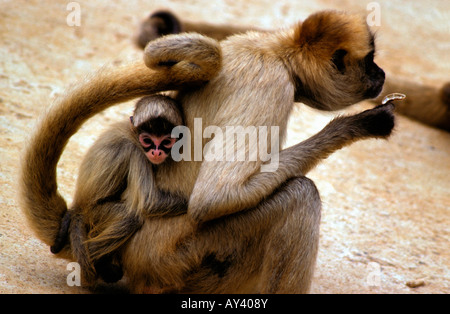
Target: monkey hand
(186, 57)
(377, 122)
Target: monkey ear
(132, 120)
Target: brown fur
(246, 230)
(427, 104)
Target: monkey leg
(269, 249)
(293, 240)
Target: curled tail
(174, 62)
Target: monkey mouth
(156, 160)
(375, 85)
(374, 90)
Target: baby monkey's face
(157, 148)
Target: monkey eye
(338, 59)
(168, 143)
(165, 142)
(145, 140)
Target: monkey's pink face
(157, 148)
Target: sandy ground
(385, 203)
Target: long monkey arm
(170, 63)
(297, 160)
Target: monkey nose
(156, 153)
